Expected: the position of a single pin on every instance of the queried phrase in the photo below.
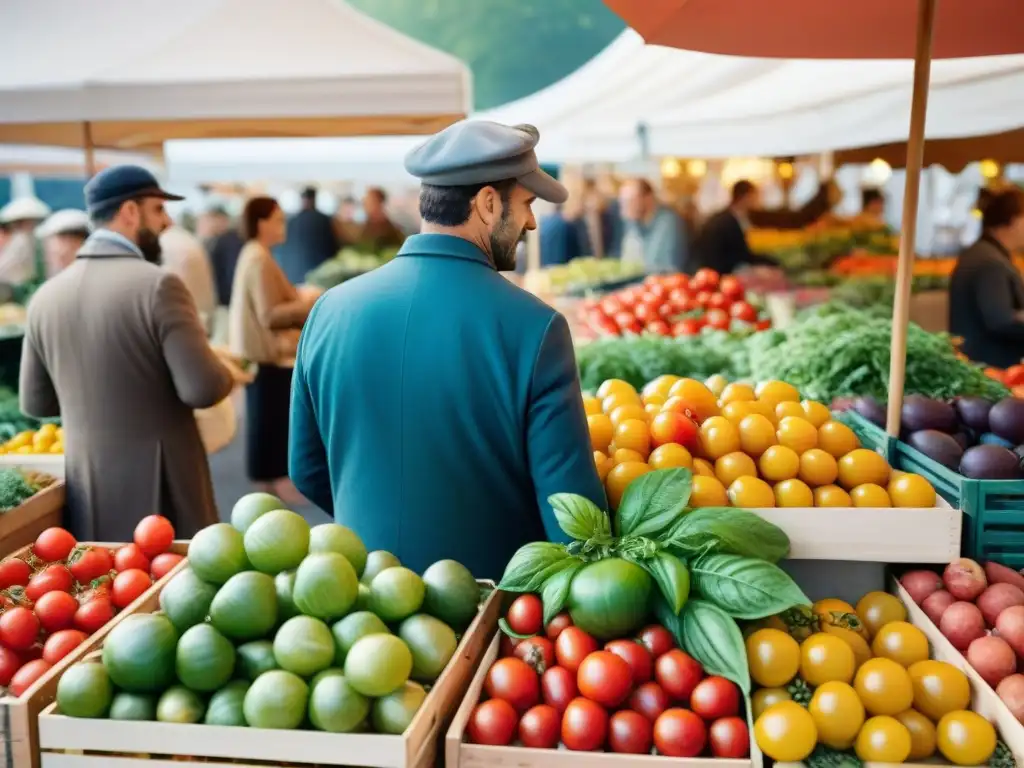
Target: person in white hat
(62, 236)
(18, 258)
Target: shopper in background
(184, 255)
(655, 234)
(559, 238)
(311, 240)
(62, 236)
(115, 348)
(265, 318)
(377, 231)
(722, 242)
(596, 224)
(20, 260)
(986, 292)
(872, 209)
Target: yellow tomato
(837, 713)
(622, 455)
(757, 434)
(621, 476)
(736, 392)
(837, 439)
(818, 467)
(601, 431)
(786, 409)
(592, 406)
(779, 463)
(733, 466)
(738, 410)
(653, 399)
(766, 697)
(832, 610)
(786, 732)
(857, 643)
(775, 392)
(876, 609)
(718, 436)
(707, 492)
(703, 467)
(910, 490)
(884, 687)
(793, 493)
(652, 410)
(862, 466)
(831, 496)
(751, 493)
(902, 642)
(765, 409)
(966, 738)
(626, 412)
(922, 734)
(613, 386)
(870, 495)
(883, 740)
(939, 688)
(634, 435)
(716, 383)
(773, 657)
(825, 658)
(701, 399)
(660, 386)
(670, 455)
(815, 412)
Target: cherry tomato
(556, 625)
(14, 573)
(51, 578)
(492, 722)
(719, 301)
(731, 287)
(88, 563)
(605, 678)
(526, 615)
(715, 697)
(128, 586)
(540, 727)
(53, 544)
(558, 688)
(94, 614)
(678, 673)
(718, 318)
(630, 733)
(572, 647)
(153, 535)
(741, 310)
(584, 725)
(785, 732)
(130, 556)
(689, 326)
(637, 656)
(513, 681)
(705, 279)
(19, 628)
(164, 564)
(10, 663)
(729, 737)
(27, 675)
(650, 700)
(508, 645)
(538, 652)
(60, 644)
(657, 640)
(679, 733)
(56, 611)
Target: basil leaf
(672, 578)
(668, 618)
(556, 589)
(506, 629)
(533, 564)
(727, 530)
(714, 639)
(745, 587)
(579, 517)
(653, 503)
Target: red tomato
(630, 733)
(540, 727)
(508, 646)
(611, 306)
(88, 563)
(646, 312)
(705, 279)
(655, 638)
(572, 647)
(731, 287)
(689, 327)
(729, 737)
(584, 725)
(14, 573)
(130, 556)
(53, 544)
(702, 299)
(27, 675)
(538, 652)
(94, 614)
(128, 585)
(154, 535)
(637, 656)
(627, 322)
(60, 644)
(679, 733)
(19, 628)
(718, 318)
(605, 678)
(763, 325)
(164, 564)
(558, 687)
(526, 615)
(513, 681)
(51, 578)
(556, 625)
(650, 700)
(10, 663)
(659, 327)
(677, 282)
(56, 611)
(678, 673)
(718, 301)
(492, 722)
(743, 311)
(714, 698)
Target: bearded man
(436, 406)
(114, 346)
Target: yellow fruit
(652, 410)
(773, 657)
(716, 384)
(57, 448)
(793, 493)
(765, 409)
(786, 732)
(786, 409)
(591, 405)
(626, 412)
(837, 713)
(910, 490)
(831, 496)
(653, 399)
(751, 493)
(736, 392)
(857, 643)
(620, 477)
(797, 433)
(883, 740)
(635, 435)
(703, 467)
(738, 410)
(612, 386)
(939, 688)
(779, 463)
(818, 467)
(604, 465)
(832, 610)
(670, 455)
(613, 401)
(884, 687)
(775, 392)
(862, 466)
(825, 658)
(766, 697)
(622, 455)
(815, 412)
(660, 386)
(701, 399)
(922, 734)
(870, 495)
(733, 466)
(902, 642)
(876, 609)
(966, 738)
(601, 431)
(757, 434)
(718, 437)
(707, 492)
(837, 438)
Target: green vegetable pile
(17, 486)
(881, 290)
(728, 554)
(12, 420)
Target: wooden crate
(460, 754)
(111, 744)
(21, 526)
(19, 735)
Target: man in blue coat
(435, 405)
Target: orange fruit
(653, 399)
(614, 400)
(775, 392)
(620, 477)
(707, 492)
(604, 465)
(817, 467)
(765, 409)
(793, 493)
(601, 431)
(831, 496)
(701, 399)
(779, 463)
(837, 438)
(622, 455)
(659, 386)
(870, 495)
(815, 412)
(610, 386)
(751, 493)
(797, 433)
(738, 410)
(591, 406)
(734, 465)
(672, 427)
(628, 411)
(788, 408)
(910, 490)
(680, 406)
(736, 392)
(703, 467)
(757, 434)
(670, 455)
(718, 436)
(862, 466)
(635, 435)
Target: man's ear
(488, 205)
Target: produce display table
(21, 525)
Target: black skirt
(267, 401)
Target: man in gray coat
(115, 347)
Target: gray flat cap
(479, 152)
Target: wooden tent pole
(908, 235)
(90, 150)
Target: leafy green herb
(727, 530)
(745, 587)
(556, 589)
(653, 503)
(714, 639)
(672, 578)
(533, 564)
(505, 628)
(579, 517)
(15, 488)
(827, 757)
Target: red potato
(996, 599)
(920, 584)
(964, 579)
(1000, 574)
(1011, 691)
(936, 604)
(962, 624)
(1010, 627)
(992, 658)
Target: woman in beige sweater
(265, 317)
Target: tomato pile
(747, 446)
(859, 678)
(674, 305)
(57, 593)
(558, 685)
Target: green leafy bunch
(711, 565)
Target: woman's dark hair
(1002, 209)
(256, 210)
(869, 196)
(741, 189)
(450, 206)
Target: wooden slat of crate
(24, 523)
(416, 748)
(19, 733)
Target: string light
(671, 168)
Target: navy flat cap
(480, 152)
(113, 186)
